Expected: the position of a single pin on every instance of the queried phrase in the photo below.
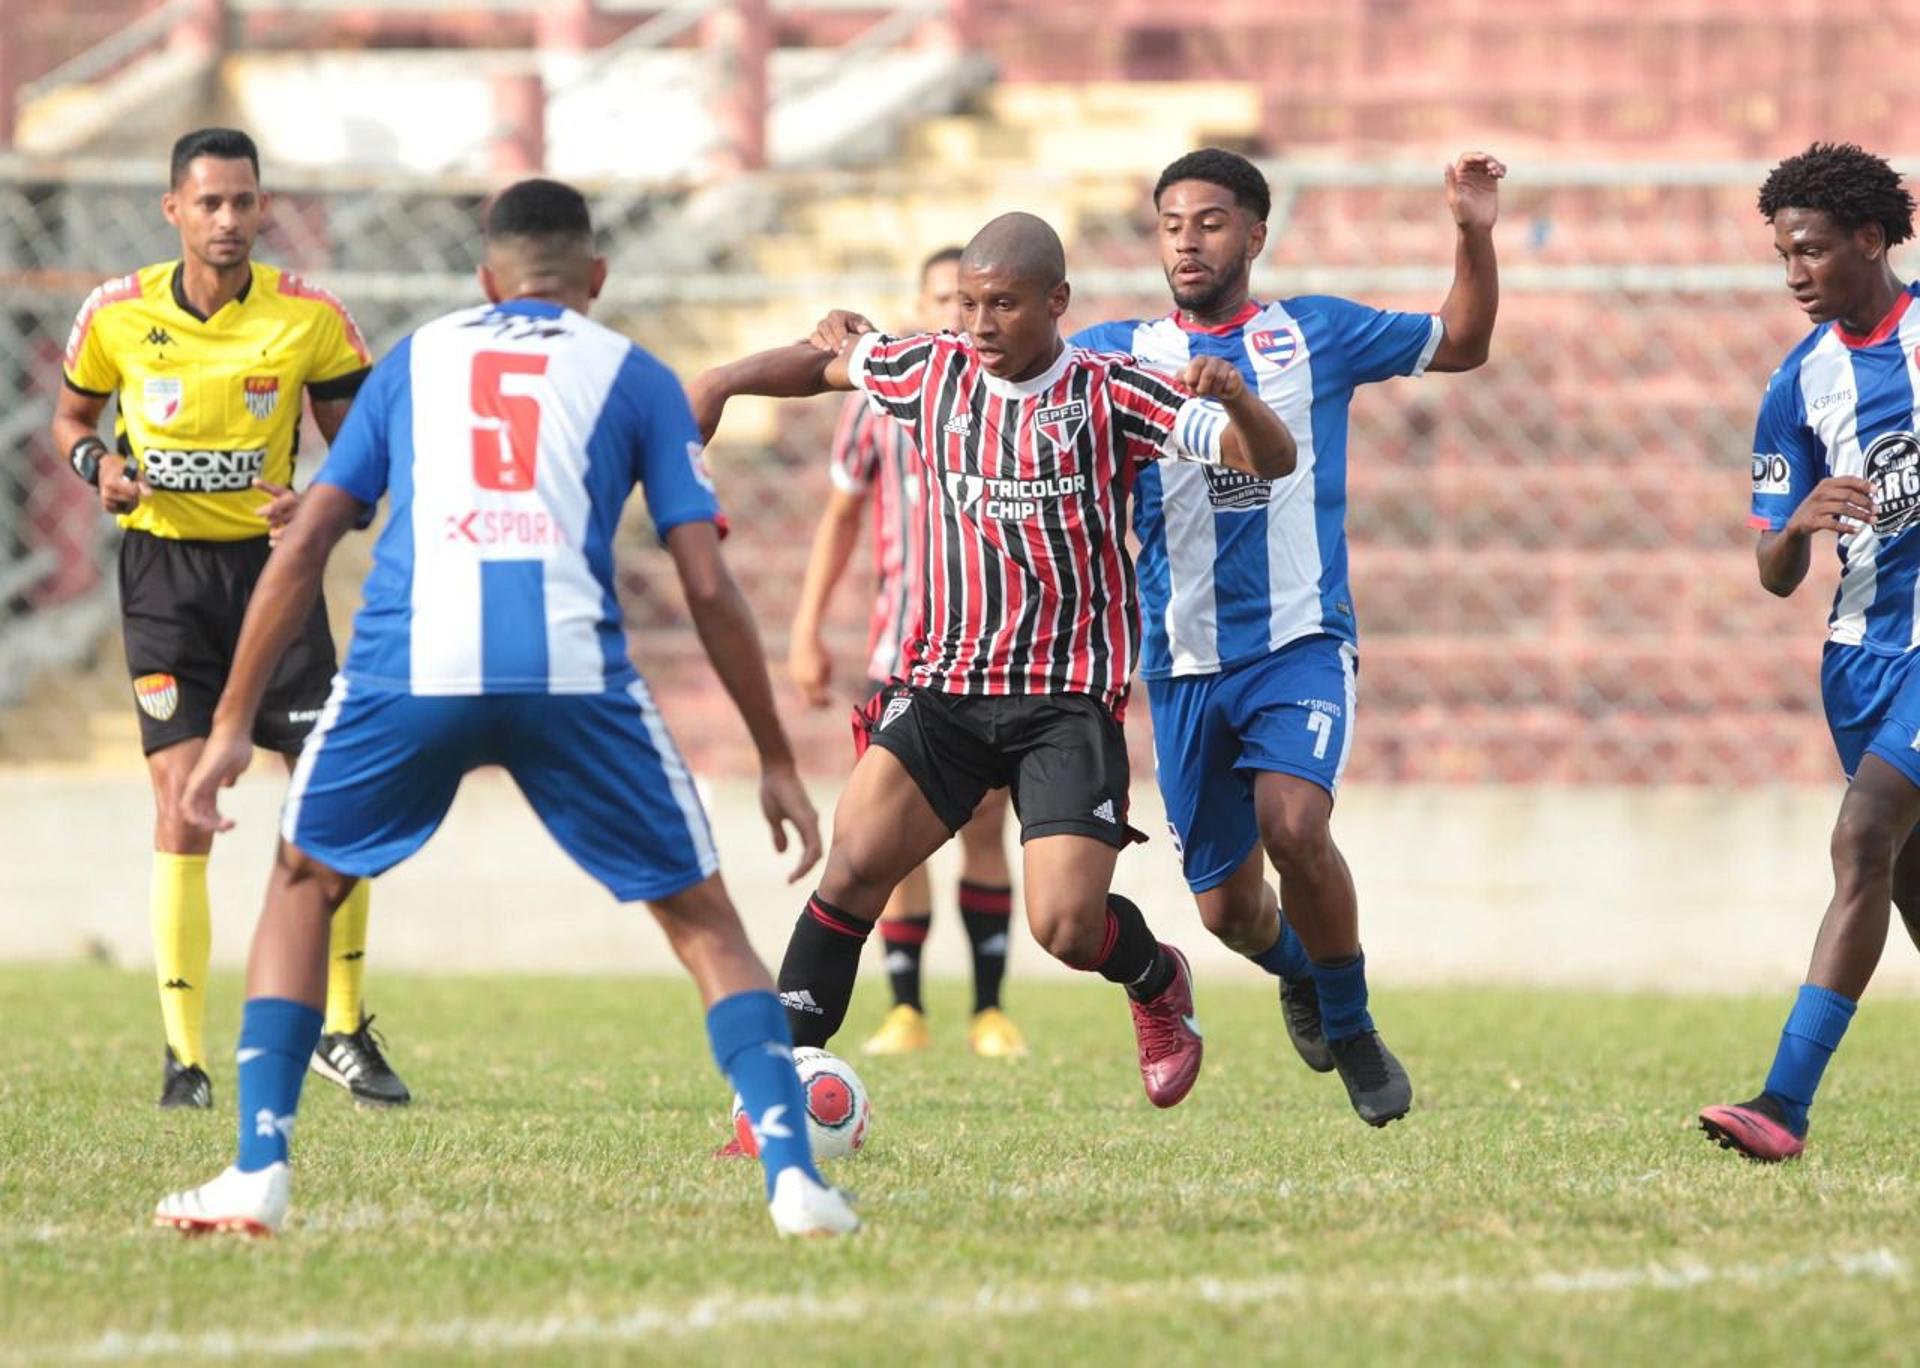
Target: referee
(208, 355)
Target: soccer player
(1836, 450)
(1029, 624)
(508, 437)
(208, 356)
(872, 462)
(1251, 654)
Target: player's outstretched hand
(1473, 189)
(222, 760)
(277, 510)
(830, 334)
(118, 494)
(1839, 503)
(810, 666)
(784, 802)
(1213, 377)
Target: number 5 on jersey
(506, 419)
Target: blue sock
(1342, 985)
(1286, 958)
(754, 1050)
(1813, 1030)
(277, 1037)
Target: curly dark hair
(1228, 170)
(1847, 183)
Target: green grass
(550, 1196)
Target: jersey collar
(1881, 330)
(180, 300)
(1248, 311)
(1022, 389)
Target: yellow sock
(182, 944)
(347, 960)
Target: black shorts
(1062, 756)
(181, 605)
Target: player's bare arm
(809, 663)
(1256, 441)
(1473, 197)
(732, 642)
(76, 417)
(799, 371)
(281, 603)
(1840, 504)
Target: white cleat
(801, 1206)
(253, 1204)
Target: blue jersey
(1233, 567)
(1847, 405)
(508, 439)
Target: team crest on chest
(263, 393)
(1278, 347)
(1061, 423)
(161, 397)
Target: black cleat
(1300, 1006)
(185, 1085)
(353, 1059)
(1377, 1085)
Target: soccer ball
(838, 1112)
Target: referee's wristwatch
(85, 458)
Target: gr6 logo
(1893, 469)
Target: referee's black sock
(816, 977)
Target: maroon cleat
(1169, 1037)
(1756, 1129)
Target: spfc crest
(263, 392)
(1061, 423)
(162, 396)
(158, 695)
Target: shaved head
(1020, 246)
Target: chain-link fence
(1550, 560)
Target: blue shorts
(1873, 705)
(1290, 712)
(380, 770)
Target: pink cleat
(1169, 1037)
(1757, 1129)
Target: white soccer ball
(839, 1116)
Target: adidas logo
(800, 1000)
(959, 425)
(179, 983)
(899, 962)
(995, 945)
(1105, 812)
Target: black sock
(905, 938)
(1130, 956)
(816, 977)
(987, 912)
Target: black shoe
(353, 1059)
(185, 1085)
(1300, 1007)
(1376, 1084)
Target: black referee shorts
(181, 605)
(1062, 756)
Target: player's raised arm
(282, 602)
(1473, 196)
(799, 371)
(1255, 440)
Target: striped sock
(817, 975)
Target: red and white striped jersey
(1028, 587)
(873, 459)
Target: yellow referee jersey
(208, 405)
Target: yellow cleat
(903, 1032)
(994, 1036)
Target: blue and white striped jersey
(1233, 567)
(508, 438)
(1842, 404)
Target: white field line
(648, 1323)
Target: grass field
(550, 1197)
